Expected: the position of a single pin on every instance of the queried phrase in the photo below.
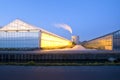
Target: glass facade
(19, 39)
(52, 41)
(102, 43)
(116, 40)
(107, 42)
(18, 34)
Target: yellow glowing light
(50, 41)
(101, 43)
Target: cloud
(64, 26)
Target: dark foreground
(60, 56)
(60, 73)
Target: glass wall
(19, 34)
(116, 40)
(104, 43)
(50, 41)
(19, 39)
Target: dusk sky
(88, 18)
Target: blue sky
(88, 18)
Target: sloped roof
(103, 35)
(18, 25)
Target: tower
(75, 39)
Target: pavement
(75, 50)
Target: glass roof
(18, 25)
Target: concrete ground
(78, 49)
(75, 48)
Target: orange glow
(101, 43)
(50, 41)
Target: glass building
(107, 42)
(19, 34)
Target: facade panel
(51, 41)
(103, 43)
(19, 39)
(116, 40)
(18, 34)
(108, 42)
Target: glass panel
(50, 41)
(19, 39)
(116, 40)
(104, 43)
